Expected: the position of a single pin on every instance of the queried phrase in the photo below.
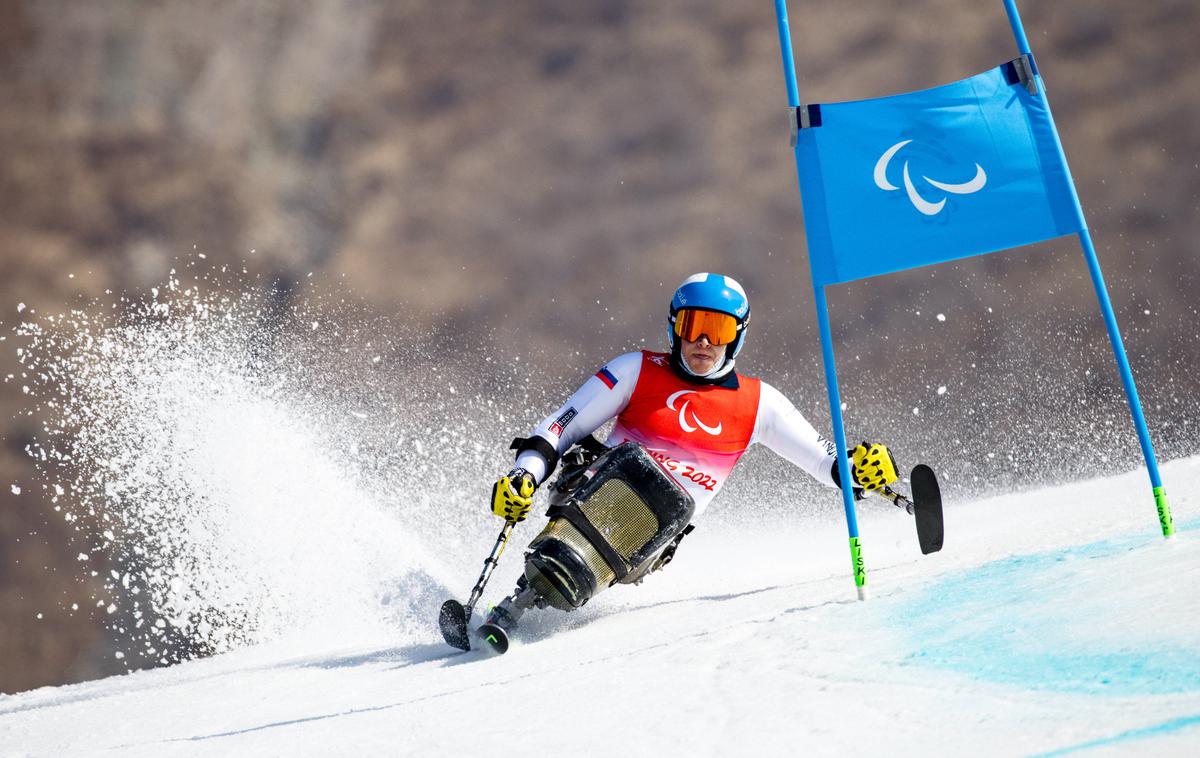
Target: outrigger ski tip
(927, 497)
(453, 622)
(925, 506)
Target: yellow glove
(512, 495)
(873, 466)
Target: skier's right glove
(512, 495)
(873, 466)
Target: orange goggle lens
(720, 328)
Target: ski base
(494, 637)
(927, 508)
(453, 622)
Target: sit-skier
(692, 413)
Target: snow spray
(245, 463)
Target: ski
(495, 637)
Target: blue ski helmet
(712, 292)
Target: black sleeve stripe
(539, 445)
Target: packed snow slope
(1054, 622)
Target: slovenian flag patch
(607, 377)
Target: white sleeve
(783, 429)
(585, 411)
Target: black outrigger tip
(453, 621)
(927, 502)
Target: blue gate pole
(839, 437)
(1110, 322)
(1135, 404)
(785, 49)
(1018, 30)
(831, 383)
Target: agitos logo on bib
(697, 432)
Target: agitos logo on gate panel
(920, 203)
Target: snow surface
(1054, 622)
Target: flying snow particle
(16, 490)
(118, 655)
(942, 390)
(82, 557)
(941, 317)
(112, 608)
(39, 615)
(20, 307)
(916, 411)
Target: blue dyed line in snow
(1166, 727)
(1039, 622)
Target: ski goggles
(720, 328)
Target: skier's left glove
(512, 495)
(873, 466)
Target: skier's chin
(699, 363)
